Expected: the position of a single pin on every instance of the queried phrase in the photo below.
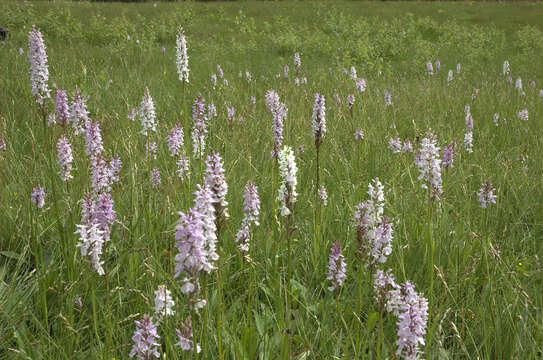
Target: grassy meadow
(480, 269)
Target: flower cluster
(279, 113)
(199, 127)
(372, 227)
(38, 196)
(185, 336)
(39, 71)
(215, 181)
(147, 113)
(411, 309)
(65, 158)
(319, 119)
(175, 140)
(429, 164)
(336, 267)
(361, 84)
(163, 303)
(287, 190)
(78, 113)
(251, 211)
(486, 194)
(448, 156)
(61, 110)
(182, 57)
(523, 114)
(145, 339)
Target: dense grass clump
(231, 204)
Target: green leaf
(10, 254)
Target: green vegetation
(481, 269)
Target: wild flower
(231, 113)
(285, 71)
(65, 158)
(90, 242)
(163, 303)
(388, 98)
(486, 194)
(359, 134)
(458, 68)
(336, 267)
(216, 182)
(145, 339)
(147, 113)
(248, 76)
(411, 309)
(361, 84)
(449, 76)
(185, 336)
(151, 150)
(279, 112)
(38, 196)
(182, 57)
(395, 144)
(429, 164)
(132, 114)
(203, 203)
(412, 322)
(251, 212)
(438, 65)
(183, 171)
(323, 195)
(175, 140)
(199, 127)
(62, 110)
(506, 69)
(297, 81)
(297, 60)
(319, 119)
(214, 80)
(381, 241)
(523, 114)
(532, 84)
(3, 145)
(219, 71)
(350, 101)
(518, 84)
(287, 190)
(448, 156)
(154, 175)
(407, 146)
(93, 139)
(541, 93)
(304, 80)
(429, 68)
(211, 111)
(39, 71)
(373, 231)
(352, 73)
(496, 118)
(78, 113)
(192, 256)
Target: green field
(481, 269)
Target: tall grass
(480, 268)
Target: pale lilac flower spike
(388, 98)
(78, 113)
(39, 71)
(199, 127)
(251, 211)
(359, 134)
(429, 164)
(486, 194)
(361, 84)
(175, 140)
(411, 324)
(65, 158)
(287, 190)
(147, 113)
(182, 57)
(336, 267)
(279, 112)
(163, 303)
(155, 177)
(216, 182)
(448, 156)
(185, 336)
(145, 339)
(297, 60)
(319, 119)
(38, 196)
(61, 109)
(323, 195)
(430, 68)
